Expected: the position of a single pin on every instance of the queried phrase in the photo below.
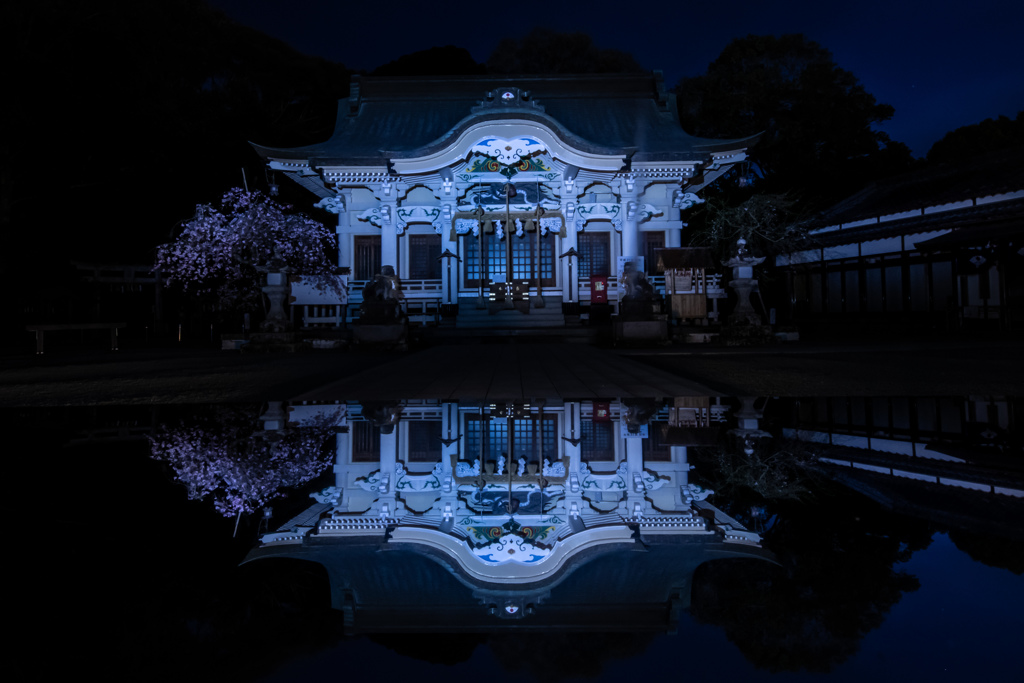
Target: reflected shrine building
(456, 516)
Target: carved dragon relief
(613, 212)
(413, 213)
(379, 481)
(618, 481)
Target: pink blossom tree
(222, 249)
(226, 457)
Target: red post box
(598, 289)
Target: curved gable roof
(392, 118)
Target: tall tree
(816, 118)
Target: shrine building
(525, 187)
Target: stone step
(475, 335)
(550, 316)
(510, 320)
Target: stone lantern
(743, 282)
(276, 289)
(748, 424)
(276, 330)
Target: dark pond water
(689, 537)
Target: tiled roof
(389, 118)
(981, 223)
(987, 175)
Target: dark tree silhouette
(966, 142)
(837, 582)
(155, 103)
(816, 118)
(991, 550)
(436, 61)
(543, 51)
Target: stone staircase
(472, 318)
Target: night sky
(941, 64)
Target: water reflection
(597, 515)
(570, 515)
(791, 526)
(225, 456)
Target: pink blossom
(221, 250)
(227, 457)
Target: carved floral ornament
(517, 222)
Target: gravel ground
(158, 377)
(938, 368)
(797, 369)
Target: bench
(41, 331)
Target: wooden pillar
(389, 239)
(630, 237)
(908, 306)
(629, 205)
(342, 457)
(388, 460)
(449, 266)
(343, 231)
(885, 291)
(824, 285)
(673, 234)
(570, 286)
(388, 196)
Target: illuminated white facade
(418, 171)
